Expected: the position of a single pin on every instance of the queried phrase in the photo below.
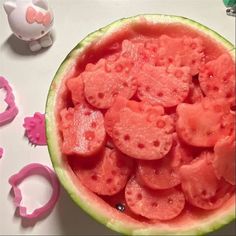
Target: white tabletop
(30, 76)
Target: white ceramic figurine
(30, 20)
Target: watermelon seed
(154, 204)
(209, 132)
(204, 193)
(160, 94)
(215, 88)
(120, 207)
(89, 135)
(170, 60)
(228, 95)
(109, 180)
(160, 124)
(210, 75)
(141, 146)
(147, 88)
(139, 196)
(178, 74)
(119, 68)
(156, 143)
(170, 201)
(193, 45)
(126, 137)
(101, 95)
(93, 124)
(94, 177)
(91, 98)
(125, 84)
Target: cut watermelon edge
(83, 197)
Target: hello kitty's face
(29, 19)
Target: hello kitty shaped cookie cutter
(30, 20)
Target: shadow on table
(74, 221)
(229, 230)
(21, 47)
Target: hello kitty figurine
(30, 20)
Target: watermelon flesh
(204, 131)
(201, 186)
(107, 174)
(142, 126)
(217, 78)
(83, 130)
(224, 161)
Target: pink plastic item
(34, 169)
(10, 113)
(1, 152)
(35, 129)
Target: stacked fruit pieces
(154, 121)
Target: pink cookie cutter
(1, 152)
(35, 129)
(10, 113)
(34, 169)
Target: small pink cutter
(35, 129)
(1, 152)
(34, 169)
(9, 114)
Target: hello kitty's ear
(41, 3)
(9, 6)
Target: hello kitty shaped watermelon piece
(30, 20)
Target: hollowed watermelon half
(105, 182)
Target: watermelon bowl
(140, 126)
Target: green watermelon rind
(56, 157)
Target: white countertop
(30, 76)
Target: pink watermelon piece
(202, 124)
(224, 159)
(154, 204)
(163, 86)
(135, 136)
(102, 85)
(217, 78)
(82, 130)
(183, 51)
(163, 173)
(112, 115)
(140, 50)
(200, 184)
(76, 87)
(106, 174)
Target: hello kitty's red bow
(33, 16)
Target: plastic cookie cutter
(231, 7)
(34, 169)
(1, 152)
(10, 113)
(35, 129)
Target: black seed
(120, 207)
